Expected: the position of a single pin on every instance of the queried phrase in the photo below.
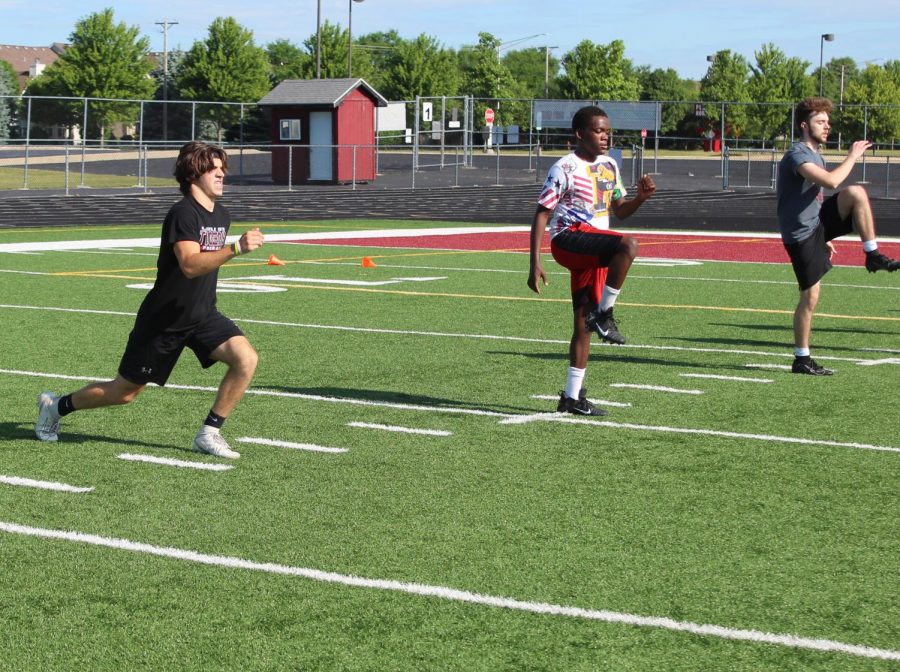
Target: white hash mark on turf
(775, 367)
(559, 417)
(457, 595)
(44, 485)
(656, 388)
(596, 402)
(735, 378)
(525, 419)
(404, 430)
(168, 461)
(289, 444)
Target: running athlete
(180, 310)
(580, 191)
(809, 222)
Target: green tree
(485, 76)
(5, 109)
(421, 67)
(533, 69)
(103, 60)
(726, 81)
(875, 96)
(378, 50)
(334, 55)
(836, 76)
(8, 74)
(9, 100)
(667, 86)
(599, 72)
(227, 66)
(775, 79)
(286, 60)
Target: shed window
(290, 129)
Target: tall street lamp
(826, 37)
(350, 38)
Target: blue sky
(655, 33)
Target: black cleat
(580, 406)
(604, 325)
(876, 261)
(808, 366)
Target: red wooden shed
(327, 127)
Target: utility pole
(319, 39)
(165, 31)
(547, 70)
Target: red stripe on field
(680, 246)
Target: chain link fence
(71, 143)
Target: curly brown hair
(809, 106)
(195, 159)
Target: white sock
(574, 382)
(208, 429)
(870, 245)
(608, 298)
(801, 352)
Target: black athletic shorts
(150, 358)
(809, 257)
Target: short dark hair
(582, 118)
(810, 106)
(195, 159)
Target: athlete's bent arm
(194, 262)
(832, 179)
(645, 189)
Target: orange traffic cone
(368, 263)
(275, 261)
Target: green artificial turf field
(406, 498)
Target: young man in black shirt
(180, 309)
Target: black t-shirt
(177, 303)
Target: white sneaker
(212, 443)
(47, 426)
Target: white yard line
(43, 485)
(457, 595)
(170, 462)
(739, 379)
(505, 418)
(402, 430)
(489, 337)
(289, 444)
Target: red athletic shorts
(586, 252)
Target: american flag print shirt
(579, 191)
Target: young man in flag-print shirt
(580, 191)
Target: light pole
(319, 39)
(350, 37)
(165, 31)
(547, 70)
(826, 37)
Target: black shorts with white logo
(809, 257)
(150, 358)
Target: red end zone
(708, 247)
